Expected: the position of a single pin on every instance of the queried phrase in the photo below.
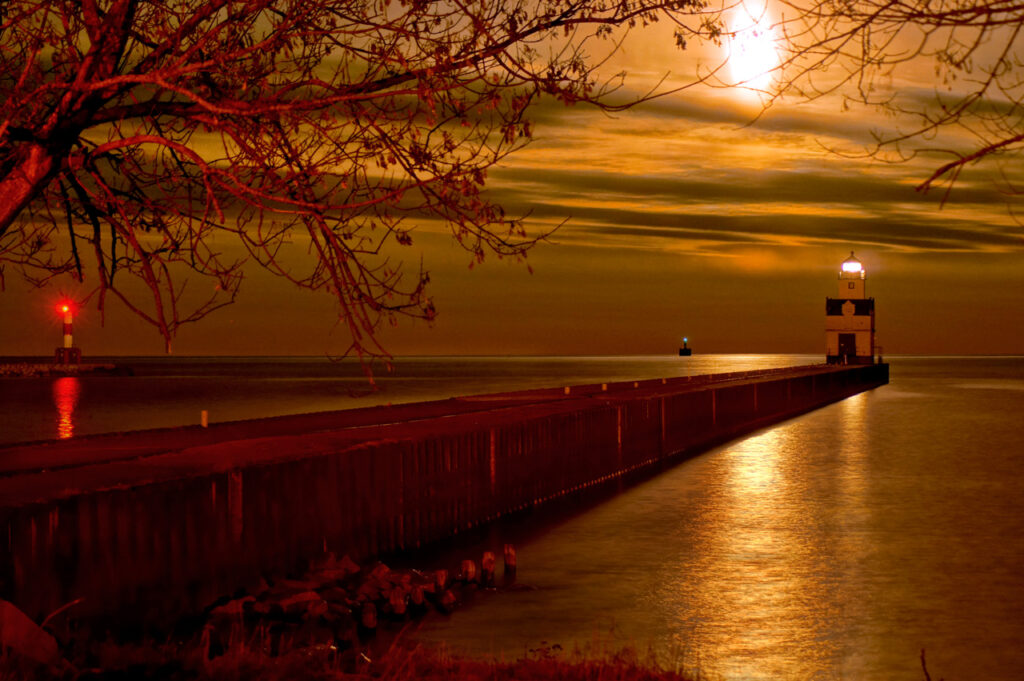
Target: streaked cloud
(696, 173)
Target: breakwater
(38, 369)
(162, 522)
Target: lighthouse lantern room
(850, 318)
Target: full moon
(752, 50)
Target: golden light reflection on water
(65, 397)
(853, 448)
(854, 515)
(765, 599)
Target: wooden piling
(510, 563)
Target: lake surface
(172, 391)
(835, 545)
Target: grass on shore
(250, 661)
(273, 653)
(422, 664)
(322, 663)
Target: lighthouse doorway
(847, 347)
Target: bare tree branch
(147, 130)
(974, 112)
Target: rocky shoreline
(340, 604)
(338, 611)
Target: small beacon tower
(850, 318)
(67, 353)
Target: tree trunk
(31, 171)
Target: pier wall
(166, 534)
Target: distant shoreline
(109, 359)
(41, 370)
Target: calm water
(832, 546)
(173, 391)
(836, 545)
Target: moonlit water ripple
(836, 545)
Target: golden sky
(685, 217)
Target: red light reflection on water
(65, 396)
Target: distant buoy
(684, 349)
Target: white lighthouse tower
(850, 318)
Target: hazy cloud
(758, 207)
(730, 185)
(696, 107)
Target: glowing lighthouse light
(852, 267)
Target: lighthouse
(67, 353)
(850, 318)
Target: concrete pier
(159, 523)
